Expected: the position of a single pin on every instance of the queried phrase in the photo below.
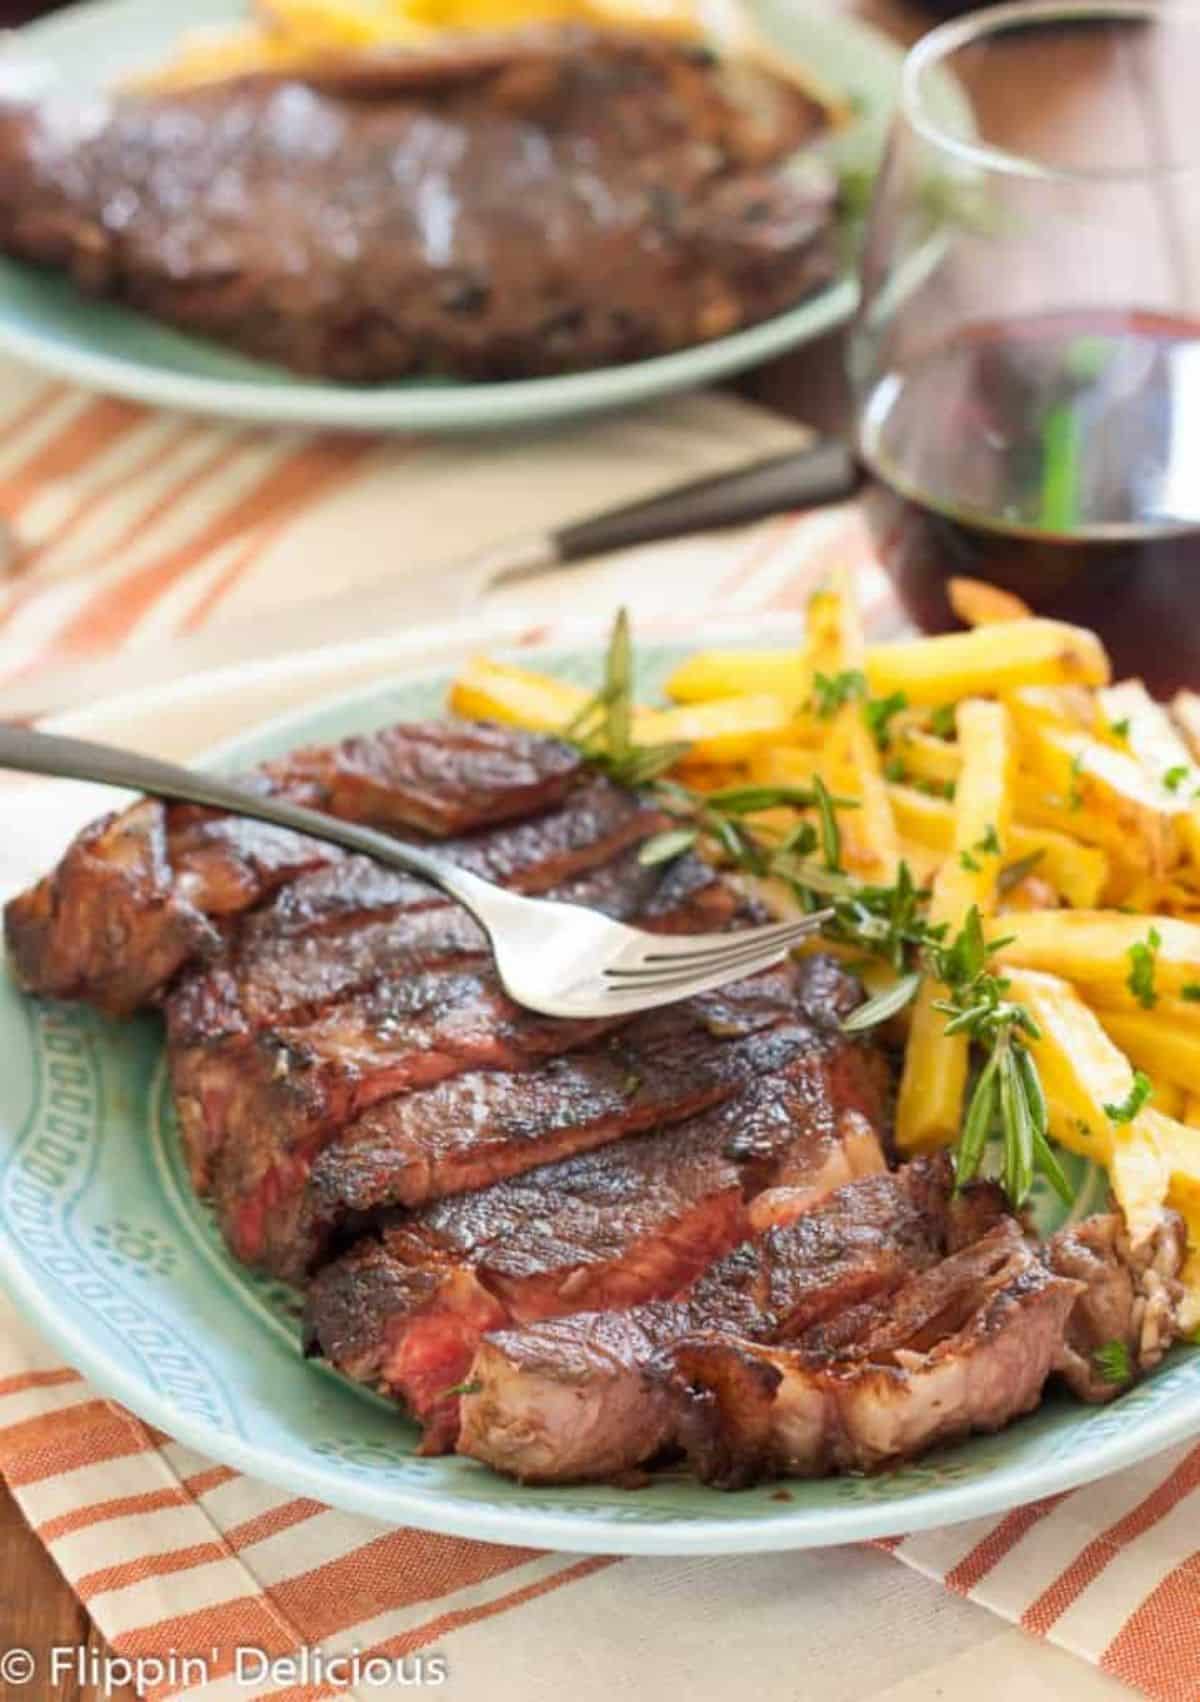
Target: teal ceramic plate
(45, 321)
(107, 1250)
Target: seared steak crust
(592, 1395)
(612, 1227)
(133, 900)
(548, 200)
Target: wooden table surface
(37, 1610)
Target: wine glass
(1025, 361)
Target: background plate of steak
(702, 271)
(107, 1247)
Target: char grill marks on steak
(596, 1394)
(966, 1345)
(611, 195)
(404, 1309)
(133, 899)
(268, 1124)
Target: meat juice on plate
(1059, 456)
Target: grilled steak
(132, 901)
(594, 1395)
(405, 1311)
(963, 1346)
(257, 1118)
(542, 201)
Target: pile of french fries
(291, 35)
(1010, 774)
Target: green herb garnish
(942, 722)
(665, 846)
(878, 713)
(1143, 959)
(884, 1005)
(1113, 1362)
(1174, 778)
(1138, 1095)
(831, 691)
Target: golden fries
(1078, 872)
(1105, 950)
(786, 674)
(929, 1108)
(976, 603)
(1160, 1048)
(991, 660)
(852, 764)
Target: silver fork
(560, 959)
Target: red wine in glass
(1058, 455)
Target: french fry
(1072, 707)
(1078, 872)
(728, 729)
(783, 765)
(933, 760)
(990, 660)
(1155, 1046)
(870, 841)
(1185, 713)
(1164, 755)
(1191, 1110)
(1107, 790)
(1170, 1099)
(1092, 949)
(929, 1107)
(786, 674)
(496, 691)
(976, 603)
(1082, 1073)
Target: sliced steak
(1127, 1317)
(439, 777)
(591, 1395)
(664, 1066)
(964, 1346)
(288, 1091)
(108, 924)
(130, 903)
(404, 1310)
(483, 1124)
(556, 199)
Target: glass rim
(934, 49)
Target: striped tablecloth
(136, 533)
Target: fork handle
(81, 759)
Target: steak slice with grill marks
(479, 1126)
(404, 1309)
(593, 1395)
(335, 932)
(663, 1066)
(130, 902)
(964, 1346)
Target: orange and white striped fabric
(135, 529)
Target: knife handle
(826, 472)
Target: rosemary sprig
(888, 923)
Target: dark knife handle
(801, 479)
